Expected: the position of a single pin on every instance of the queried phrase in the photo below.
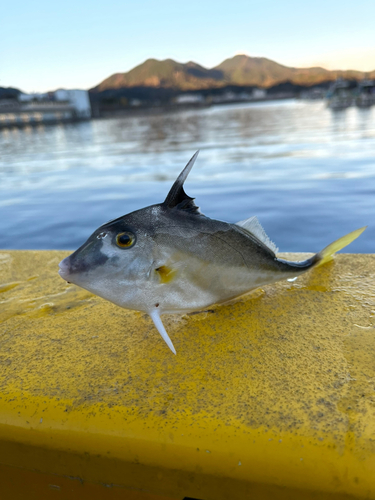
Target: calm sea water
(308, 173)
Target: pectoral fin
(166, 274)
(155, 316)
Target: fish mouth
(64, 269)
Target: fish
(169, 258)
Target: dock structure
(268, 397)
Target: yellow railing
(271, 396)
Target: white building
(259, 93)
(78, 99)
(189, 99)
(53, 107)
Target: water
(308, 173)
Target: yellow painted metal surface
(271, 396)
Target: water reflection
(248, 154)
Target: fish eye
(125, 240)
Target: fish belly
(199, 287)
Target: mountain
(260, 71)
(240, 70)
(167, 74)
(245, 70)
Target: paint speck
(41, 420)
(208, 451)
(280, 440)
(301, 459)
(53, 486)
(292, 279)
(239, 463)
(270, 439)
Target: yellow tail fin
(328, 252)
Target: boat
(365, 93)
(340, 95)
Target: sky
(46, 45)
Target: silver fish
(170, 258)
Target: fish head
(115, 258)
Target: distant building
(189, 99)
(79, 99)
(51, 107)
(135, 102)
(259, 93)
(244, 96)
(227, 96)
(24, 98)
(314, 93)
